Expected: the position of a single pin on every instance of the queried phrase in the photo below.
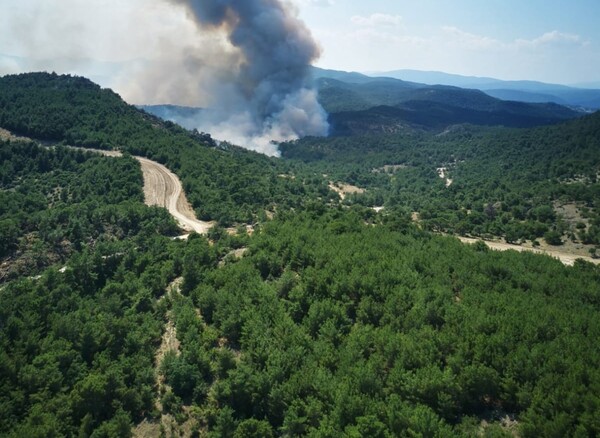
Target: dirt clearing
(345, 189)
(565, 258)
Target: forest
(57, 201)
(328, 318)
(505, 182)
(226, 183)
(328, 326)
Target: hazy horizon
(557, 42)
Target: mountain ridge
(529, 90)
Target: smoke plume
(259, 88)
(246, 62)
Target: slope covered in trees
(332, 327)
(328, 326)
(329, 320)
(77, 346)
(56, 201)
(504, 182)
(77, 339)
(225, 183)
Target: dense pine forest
(504, 182)
(329, 318)
(228, 183)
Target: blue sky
(552, 40)
(110, 40)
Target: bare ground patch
(565, 257)
(343, 189)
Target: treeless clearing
(442, 172)
(345, 189)
(565, 258)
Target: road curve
(163, 188)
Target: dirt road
(565, 258)
(163, 188)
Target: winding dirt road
(163, 188)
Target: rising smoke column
(270, 76)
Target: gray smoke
(244, 61)
(262, 89)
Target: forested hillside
(351, 330)
(329, 318)
(502, 182)
(77, 339)
(54, 202)
(226, 183)
(327, 327)
(382, 105)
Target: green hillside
(329, 320)
(505, 182)
(225, 183)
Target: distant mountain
(593, 85)
(524, 96)
(525, 91)
(350, 77)
(359, 104)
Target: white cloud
(320, 3)
(553, 56)
(377, 19)
(555, 38)
(469, 40)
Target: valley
(163, 188)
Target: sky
(554, 41)
(113, 41)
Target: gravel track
(565, 258)
(163, 188)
